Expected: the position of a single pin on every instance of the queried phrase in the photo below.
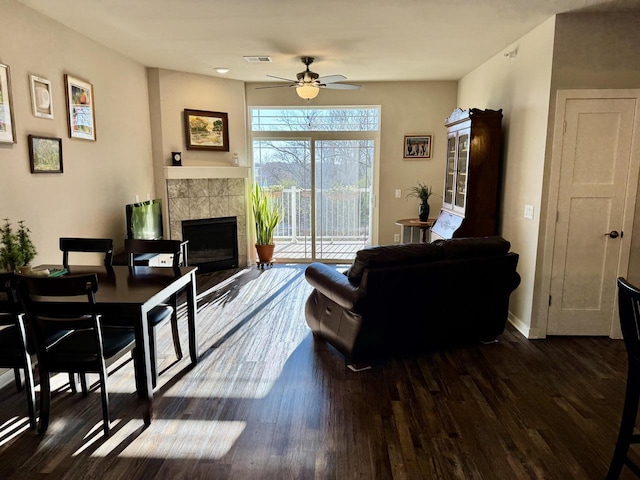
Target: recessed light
(222, 70)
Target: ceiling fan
(308, 83)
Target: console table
(154, 259)
(414, 231)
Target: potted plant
(422, 192)
(16, 248)
(266, 217)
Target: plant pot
(423, 212)
(24, 269)
(265, 253)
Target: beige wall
(99, 177)
(406, 108)
(520, 86)
(171, 93)
(599, 51)
(570, 51)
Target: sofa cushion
(474, 247)
(393, 255)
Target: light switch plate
(396, 237)
(528, 212)
(398, 193)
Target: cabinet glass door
(450, 170)
(461, 170)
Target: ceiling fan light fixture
(307, 92)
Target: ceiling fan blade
(340, 86)
(277, 86)
(332, 78)
(285, 79)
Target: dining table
(129, 293)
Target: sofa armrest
(333, 285)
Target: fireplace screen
(213, 243)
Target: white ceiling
(365, 40)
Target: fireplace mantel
(177, 173)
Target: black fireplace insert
(213, 243)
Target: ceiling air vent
(260, 59)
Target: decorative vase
(423, 212)
(265, 253)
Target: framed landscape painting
(206, 130)
(80, 108)
(7, 127)
(45, 154)
(417, 146)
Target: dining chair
(629, 312)
(85, 245)
(163, 312)
(87, 348)
(14, 352)
(88, 245)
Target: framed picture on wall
(417, 146)
(45, 154)
(41, 98)
(7, 127)
(205, 130)
(80, 108)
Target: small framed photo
(45, 154)
(206, 130)
(80, 108)
(417, 146)
(41, 97)
(7, 127)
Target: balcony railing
(343, 215)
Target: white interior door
(593, 202)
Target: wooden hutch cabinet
(472, 175)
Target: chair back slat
(87, 245)
(629, 311)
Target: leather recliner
(403, 298)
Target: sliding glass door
(322, 180)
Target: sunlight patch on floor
(12, 428)
(178, 439)
(226, 378)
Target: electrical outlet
(528, 212)
(398, 193)
(396, 238)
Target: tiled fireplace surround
(197, 198)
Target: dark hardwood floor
(266, 401)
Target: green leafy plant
(421, 191)
(26, 246)
(266, 216)
(16, 249)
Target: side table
(414, 231)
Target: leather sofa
(408, 297)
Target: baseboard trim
(524, 329)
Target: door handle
(614, 234)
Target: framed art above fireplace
(204, 130)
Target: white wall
(99, 177)
(520, 87)
(406, 108)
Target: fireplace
(213, 243)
